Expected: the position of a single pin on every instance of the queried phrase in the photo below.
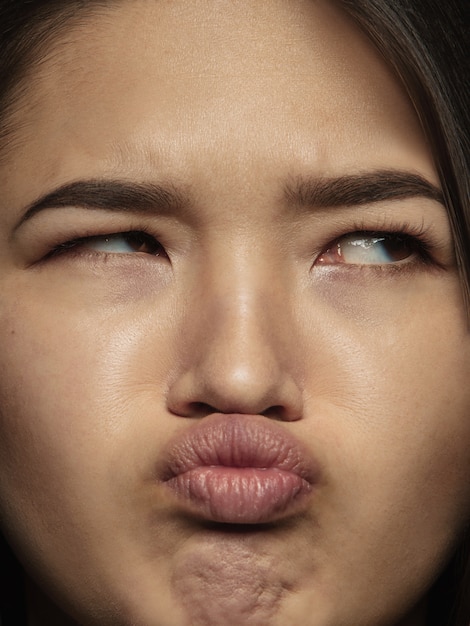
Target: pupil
(397, 247)
(140, 242)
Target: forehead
(175, 85)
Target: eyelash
(418, 239)
(69, 246)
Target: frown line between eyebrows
(111, 195)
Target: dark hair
(426, 43)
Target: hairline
(48, 34)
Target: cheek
(81, 412)
(390, 417)
(72, 383)
(392, 362)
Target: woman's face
(252, 408)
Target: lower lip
(240, 495)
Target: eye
(367, 248)
(115, 243)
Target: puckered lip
(237, 468)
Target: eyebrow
(360, 189)
(151, 198)
(111, 195)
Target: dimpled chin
(227, 584)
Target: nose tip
(235, 390)
(239, 363)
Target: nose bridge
(248, 305)
(239, 316)
(241, 338)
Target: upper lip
(240, 441)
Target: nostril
(201, 409)
(280, 413)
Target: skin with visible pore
(252, 296)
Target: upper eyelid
(421, 234)
(176, 236)
(70, 244)
(75, 223)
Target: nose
(239, 351)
